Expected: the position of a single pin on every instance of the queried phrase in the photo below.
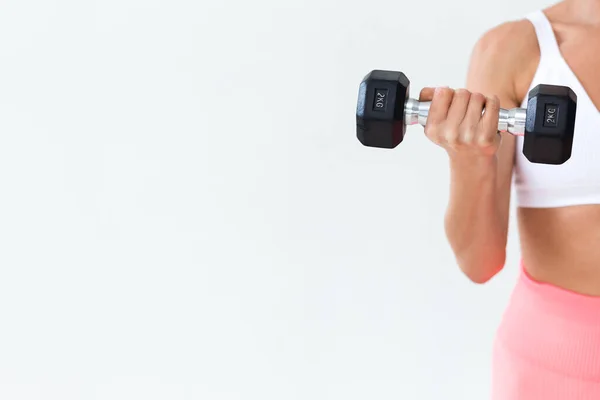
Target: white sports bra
(577, 181)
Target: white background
(185, 211)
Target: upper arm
(501, 64)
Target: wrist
(471, 168)
(474, 162)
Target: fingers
(489, 122)
(458, 107)
(440, 104)
(461, 121)
(491, 114)
(441, 98)
(474, 110)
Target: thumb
(426, 94)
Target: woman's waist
(562, 246)
(580, 276)
(551, 300)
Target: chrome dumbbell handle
(511, 121)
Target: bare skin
(560, 246)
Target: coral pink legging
(548, 345)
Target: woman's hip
(547, 345)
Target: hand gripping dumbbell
(547, 124)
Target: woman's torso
(561, 245)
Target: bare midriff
(561, 246)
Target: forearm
(474, 225)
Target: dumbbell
(547, 124)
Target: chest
(580, 50)
(578, 180)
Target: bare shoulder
(503, 63)
(504, 60)
(509, 36)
